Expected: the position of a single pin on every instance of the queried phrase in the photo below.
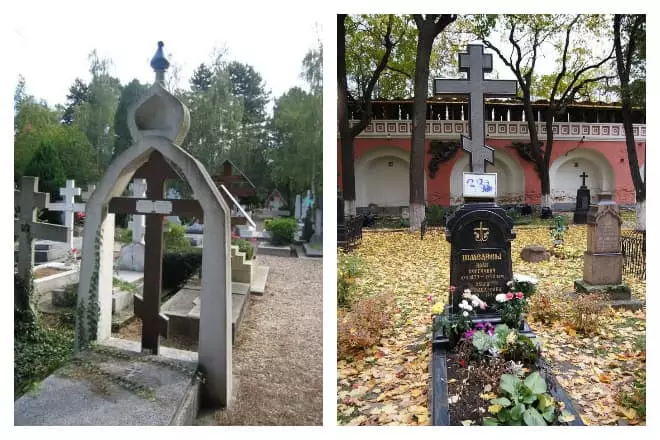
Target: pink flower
(429, 298)
(482, 306)
(509, 296)
(520, 295)
(462, 362)
(452, 289)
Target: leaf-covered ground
(388, 384)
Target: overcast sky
(52, 47)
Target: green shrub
(175, 237)
(282, 230)
(123, 235)
(435, 215)
(38, 352)
(179, 266)
(348, 268)
(244, 246)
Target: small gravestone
(69, 207)
(582, 202)
(534, 253)
(603, 260)
(298, 212)
(131, 256)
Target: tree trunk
(537, 154)
(417, 151)
(623, 70)
(345, 135)
(544, 171)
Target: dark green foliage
(244, 246)
(46, 165)
(179, 266)
(308, 226)
(441, 151)
(282, 230)
(437, 215)
(78, 93)
(130, 94)
(201, 78)
(175, 237)
(248, 84)
(38, 351)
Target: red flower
(452, 289)
(429, 298)
(509, 296)
(462, 362)
(520, 295)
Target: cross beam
(584, 177)
(475, 62)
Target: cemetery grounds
(388, 285)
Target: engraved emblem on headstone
(481, 233)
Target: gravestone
(28, 199)
(173, 194)
(158, 124)
(480, 232)
(582, 202)
(298, 212)
(603, 260)
(131, 256)
(69, 207)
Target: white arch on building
(510, 178)
(566, 169)
(382, 177)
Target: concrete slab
(130, 276)
(112, 387)
(258, 286)
(313, 251)
(277, 251)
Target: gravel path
(278, 356)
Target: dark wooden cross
(475, 63)
(584, 177)
(156, 171)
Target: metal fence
(633, 247)
(349, 234)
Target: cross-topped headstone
(68, 206)
(584, 177)
(152, 176)
(28, 199)
(475, 63)
(137, 222)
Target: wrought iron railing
(349, 233)
(633, 247)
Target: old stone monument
(158, 125)
(298, 209)
(131, 256)
(603, 260)
(480, 232)
(582, 202)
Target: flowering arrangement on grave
(456, 323)
(72, 259)
(512, 305)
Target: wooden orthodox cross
(475, 63)
(156, 171)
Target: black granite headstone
(480, 235)
(582, 202)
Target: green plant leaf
(532, 418)
(549, 414)
(509, 383)
(489, 421)
(517, 411)
(535, 383)
(501, 401)
(545, 400)
(529, 398)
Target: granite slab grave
(111, 387)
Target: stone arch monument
(158, 124)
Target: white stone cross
(138, 222)
(475, 63)
(69, 206)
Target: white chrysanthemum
(468, 307)
(521, 278)
(500, 298)
(466, 314)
